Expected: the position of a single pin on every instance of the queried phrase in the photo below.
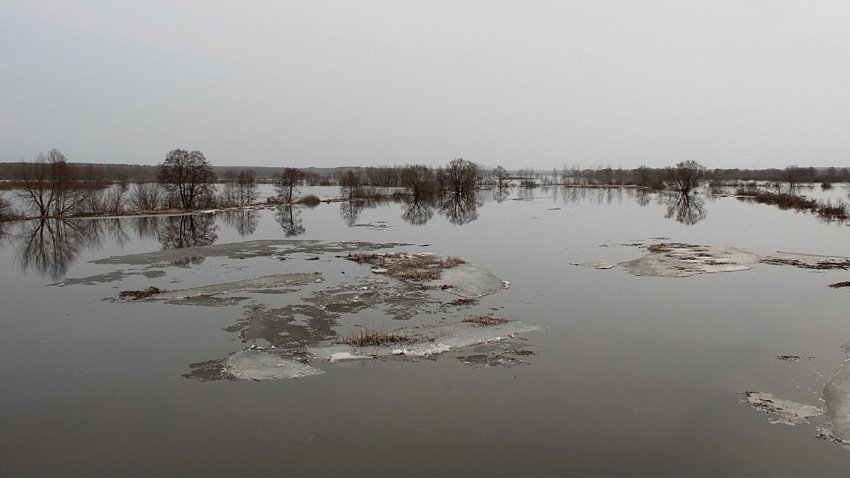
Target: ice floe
(782, 411)
(673, 259)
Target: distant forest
(389, 176)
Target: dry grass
(828, 211)
(412, 267)
(839, 285)
(140, 294)
(366, 338)
(464, 301)
(485, 320)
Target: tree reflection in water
(460, 208)
(501, 193)
(642, 197)
(245, 221)
(289, 219)
(687, 208)
(418, 210)
(350, 210)
(147, 227)
(177, 232)
(50, 246)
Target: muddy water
(633, 375)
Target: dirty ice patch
(808, 261)
(251, 364)
(261, 365)
(108, 277)
(836, 393)
(469, 281)
(602, 265)
(782, 411)
(243, 250)
(426, 341)
(685, 260)
(265, 284)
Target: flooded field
(532, 332)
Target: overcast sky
(747, 84)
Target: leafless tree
(188, 177)
(461, 175)
(146, 197)
(793, 175)
(5, 209)
(48, 185)
(686, 176)
(501, 175)
(419, 179)
(239, 189)
(349, 185)
(286, 184)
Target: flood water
(630, 375)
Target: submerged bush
(311, 200)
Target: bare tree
(419, 179)
(239, 189)
(5, 209)
(146, 197)
(188, 178)
(461, 175)
(686, 176)
(349, 185)
(48, 188)
(501, 174)
(286, 184)
(793, 175)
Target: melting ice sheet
(469, 281)
(274, 282)
(836, 395)
(243, 250)
(251, 364)
(685, 260)
(428, 341)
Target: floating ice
(275, 282)
(261, 365)
(109, 277)
(244, 250)
(597, 264)
(807, 261)
(837, 396)
(786, 412)
(468, 281)
(428, 341)
(685, 260)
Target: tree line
(52, 186)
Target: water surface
(631, 376)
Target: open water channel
(611, 373)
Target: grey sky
(522, 84)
